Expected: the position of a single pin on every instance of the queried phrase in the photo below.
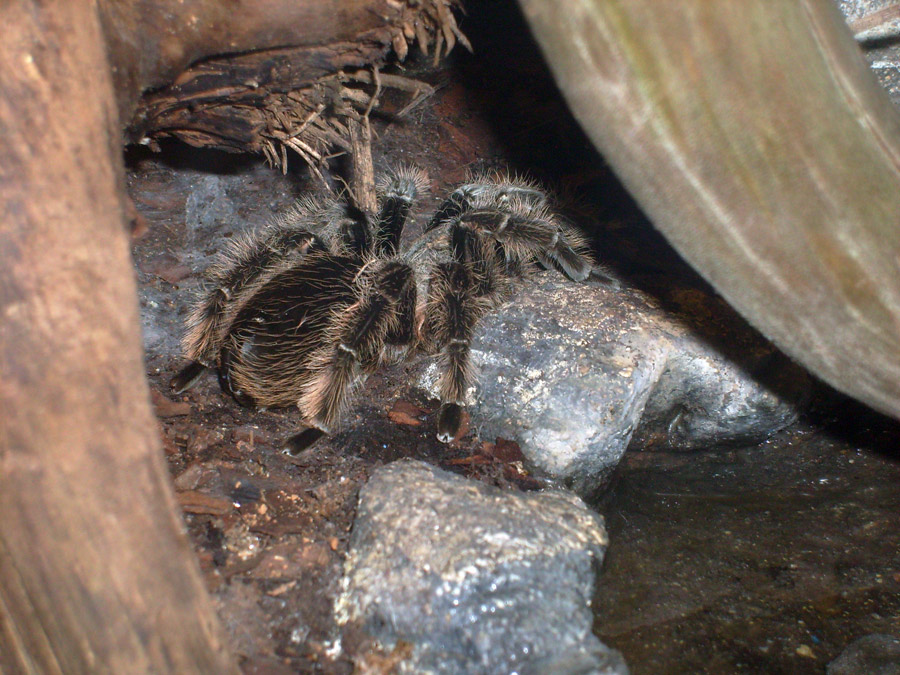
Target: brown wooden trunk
(152, 42)
(757, 140)
(243, 75)
(96, 574)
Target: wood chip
(282, 588)
(166, 407)
(192, 501)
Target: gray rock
(870, 655)
(723, 383)
(208, 209)
(566, 370)
(475, 578)
(575, 373)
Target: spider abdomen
(272, 339)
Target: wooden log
(758, 142)
(96, 573)
(214, 74)
(152, 42)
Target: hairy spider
(302, 311)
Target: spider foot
(187, 377)
(300, 442)
(605, 276)
(449, 421)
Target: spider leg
(300, 442)
(224, 373)
(496, 190)
(356, 344)
(450, 209)
(355, 233)
(397, 190)
(402, 333)
(518, 214)
(528, 235)
(568, 255)
(451, 314)
(187, 377)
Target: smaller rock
(565, 370)
(870, 655)
(477, 579)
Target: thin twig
(312, 116)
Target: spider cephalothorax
(302, 311)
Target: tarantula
(302, 311)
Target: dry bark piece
(95, 570)
(298, 95)
(192, 501)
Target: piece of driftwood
(153, 43)
(758, 142)
(299, 93)
(96, 574)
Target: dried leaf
(506, 451)
(406, 413)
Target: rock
(207, 209)
(475, 578)
(576, 372)
(870, 655)
(723, 383)
(566, 369)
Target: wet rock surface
(870, 655)
(723, 384)
(777, 556)
(576, 373)
(474, 578)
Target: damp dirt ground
(765, 559)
